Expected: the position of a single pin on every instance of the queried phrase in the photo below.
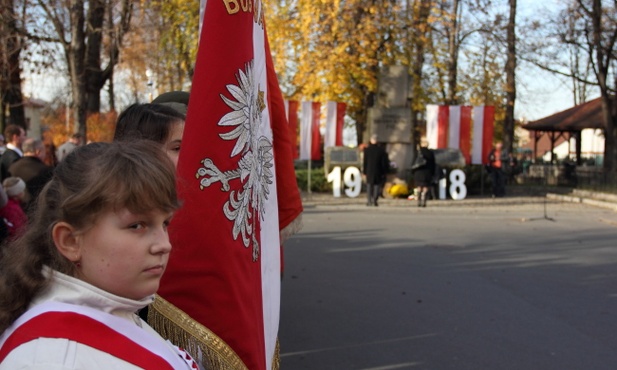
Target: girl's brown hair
(91, 180)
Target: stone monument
(390, 118)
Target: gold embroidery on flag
(247, 6)
(200, 342)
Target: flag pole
(482, 180)
(308, 177)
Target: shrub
(319, 183)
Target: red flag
(465, 133)
(292, 116)
(224, 270)
(340, 122)
(316, 135)
(443, 121)
(288, 194)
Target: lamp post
(150, 84)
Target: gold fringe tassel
(276, 361)
(206, 347)
(293, 228)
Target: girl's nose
(162, 245)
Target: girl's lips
(158, 269)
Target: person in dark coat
(375, 168)
(32, 169)
(423, 171)
(498, 161)
(15, 135)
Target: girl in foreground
(93, 254)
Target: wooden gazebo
(567, 124)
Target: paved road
(481, 285)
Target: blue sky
(539, 93)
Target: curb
(593, 199)
(327, 200)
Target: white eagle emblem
(255, 159)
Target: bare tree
(510, 71)
(598, 37)
(590, 35)
(449, 33)
(453, 33)
(78, 26)
(601, 41)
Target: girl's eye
(166, 223)
(137, 226)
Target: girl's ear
(66, 241)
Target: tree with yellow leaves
(160, 51)
(333, 50)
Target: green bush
(319, 183)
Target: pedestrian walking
(423, 170)
(375, 167)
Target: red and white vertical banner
(224, 269)
(310, 136)
(483, 120)
(459, 131)
(451, 127)
(437, 122)
(291, 109)
(335, 118)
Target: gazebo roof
(577, 118)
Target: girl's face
(125, 253)
(173, 141)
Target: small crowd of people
(86, 246)
(23, 174)
(426, 173)
(376, 165)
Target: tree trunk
(94, 35)
(609, 133)
(97, 75)
(602, 64)
(453, 47)
(10, 70)
(508, 130)
(419, 29)
(112, 94)
(75, 55)
(112, 59)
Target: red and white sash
(94, 328)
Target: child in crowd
(13, 213)
(156, 122)
(92, 255)
(4, 227)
